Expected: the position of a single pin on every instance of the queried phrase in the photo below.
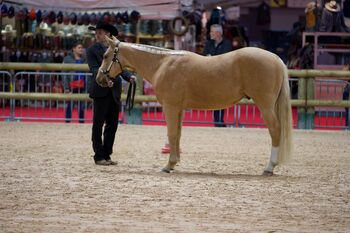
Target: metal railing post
(12, 101)
(310, 110)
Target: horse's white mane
(156, 50)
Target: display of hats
(86, 19)
(125, 17)
(4, 10)
(134, 17)
(93, 19)
(73, 18)
(105, 26)
(66, 18)
(38, 17)
(59, 17)
(32, 14)
(11, 12)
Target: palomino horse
(185, 80)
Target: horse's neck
(139, 59)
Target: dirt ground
(49, 182)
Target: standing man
(215, 46)
(106, 100)
(75, 83)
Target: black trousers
(80, 106)
(106, 113)
(219, 118)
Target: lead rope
(130, 98)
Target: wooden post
(301, 110)
(310, 110)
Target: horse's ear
(116, 41)
(110, 41)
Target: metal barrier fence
(41, 109)
(37, 96)
(329, 117)
(248, 115)
(5, 104)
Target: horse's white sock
(273, 159)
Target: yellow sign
(278, 3)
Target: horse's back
(256, 54)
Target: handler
(106, 100)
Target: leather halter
(114, 60)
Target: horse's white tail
(284, 115)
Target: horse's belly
(211, 103)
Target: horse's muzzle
(101, 79)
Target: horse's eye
(105, 56)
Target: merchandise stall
(33, 28)
(44, 31)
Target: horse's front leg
(173, 116)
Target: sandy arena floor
(50, 184)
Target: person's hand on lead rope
(133, 79)
(110, 83)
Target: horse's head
(110, 66)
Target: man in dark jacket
(215, 46)
(106, 100)
(333, 18)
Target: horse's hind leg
(173, 116)
(274, 127)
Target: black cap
(105, 26)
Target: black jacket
(333, 22)
(224, 46)
(94, 59)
